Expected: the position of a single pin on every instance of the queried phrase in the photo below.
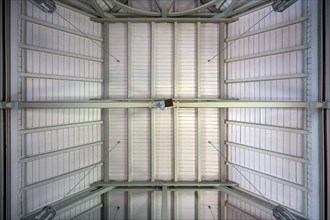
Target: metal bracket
(6, 105)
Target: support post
(129, 119)
(199, 139)
(223, 114)
(164, 203)
(106, 122)
(152, 119)
(175, 115)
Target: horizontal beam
(60, 53)
(241, 211)
(266, 78)
(193, 10)
(267, 152)
(167, 19)
(59, 177)
(267, 53)
(132, 9)
(91, 13)
(166, 183)
(88, 211)
(172, 189)
(266, 29)
(176, 104)
(267, 127)
(60, 77)
(248, 104)
(57, 152)
(267, 176)
(58, 127)
(257, 201)
(195, 15)
(66, 204)
(250, 199)
(60, 28)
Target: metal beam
(175, 93)
(267, 78)
(267, 127)
(223, 116)
(133, 10)
(267, 53)
(60, 28)
(203, 103)
(249, 7)
(270, 177)
(97, 8)
(58, 127)
(78, 6)
(193, 10)
(164, 203)
(59, 177)
(88, 211)
(241, 211)
(57, 152)
(60, 77)
(152, 94)
(166, 183)
(129, 112)
(66, 204)
(268, 28)
(106, 120)
(255, 201)
(268, 152)
(167, 19)
(229, 9)
(60, 53)
(248, 104)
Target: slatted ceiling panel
(209, 82)
(118, 70)
(209, 132)
(141, 144)
(141, 49)
(118, 132)
(209, 198)
(269, 138)
(118, 198)
(187, 144)
(164, 145)
(140, 203)
(185, 205)
(186, 60)
(163, 72)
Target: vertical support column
(129, 118)
(199, 151)
(164, 203)
(152, 119)
(2, 144)
(175, 115)
(106, 121)
(223, 115)
(24, 116)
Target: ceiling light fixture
(47, 6)
(281, 5)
